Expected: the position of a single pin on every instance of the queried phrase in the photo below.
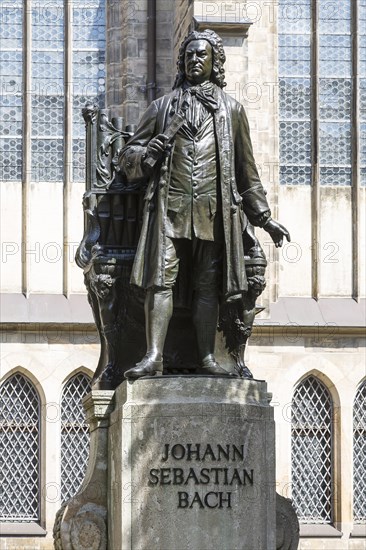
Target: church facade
(298, 68)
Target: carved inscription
(230, 473)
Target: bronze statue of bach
(203, 189)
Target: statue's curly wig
(219, 57)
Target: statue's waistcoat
(192, 198)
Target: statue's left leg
(205, 307)
(204, 316)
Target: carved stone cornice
(98, 405)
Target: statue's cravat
(197, 102)
(205, 93)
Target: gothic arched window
(74, 435)
(311, 452)
(20, 448)
(359, 455)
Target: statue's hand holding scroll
(155, 149)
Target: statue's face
(198, 61)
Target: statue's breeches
(202, 259)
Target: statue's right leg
(158, 312)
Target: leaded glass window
(317, 99)
(74, 435)
(20, 447)
(295, 92)
(47, 106)
(52, 61)
(359, 455)
(311, 451)
(362, 39)
(11, 74)
(88, 61)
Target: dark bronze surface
(170, 229)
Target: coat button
(195, 195)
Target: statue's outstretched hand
(277, 232)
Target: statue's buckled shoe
(146, 367)
(212, 367)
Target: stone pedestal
(191, 465)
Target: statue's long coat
(242, 193)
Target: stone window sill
(319, 531)
(22, 530)
(359, 531)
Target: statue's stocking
(205, 314)
(158, 312)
